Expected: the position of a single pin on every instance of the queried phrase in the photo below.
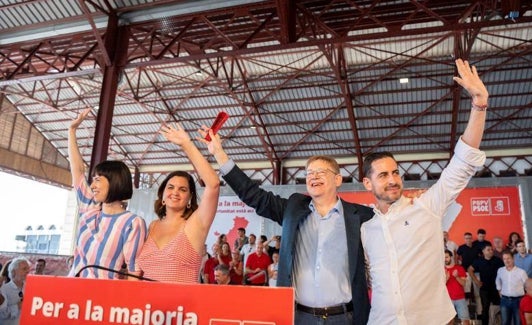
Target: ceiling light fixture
(403, 80)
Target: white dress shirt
(511, 283)
(405, 251)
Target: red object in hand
(217, 124)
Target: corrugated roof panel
(213, 101)
(129, 119)
(284, 61)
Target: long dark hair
(160, 208)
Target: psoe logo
(490, 206)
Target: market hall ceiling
(298, 78)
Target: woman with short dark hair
(108, 235)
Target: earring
(189, 205)
(163, 203)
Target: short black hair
(370, 158)
(468, 234)
(119, 178)
(481, 231)
(449, 252)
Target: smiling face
(385, 182)
(322, 179)
(226, 249)
(176, 193)
(508, 260)
(100, 188)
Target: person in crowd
(264, 239)
(276, 245)
(455, 279)
(248, 248)
(481, 241)
(13, 291)
(403, 241)
(40, 266)
(525, 306)
(449, 244)
(272, 270)
(466, 255)
(210, 264)
(512, 240)
(498, 247)
(241, 240)
(222, 238)
(236, 268)
(69, 262)
(172, 252)
(257, 265)
(5, 273)
(221, 274)
(313, 223)
(108, 234)
(224, 256)
(204, 257)
(510, 282)
(522, 258)
(487, 267)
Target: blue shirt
(524, 263)
(321, 270)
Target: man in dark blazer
(321, 253)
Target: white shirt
(451, 245)
(405, 253)
(9, 311)
(511, 283)
(246, 250)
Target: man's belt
(326, 311)
(507, 297)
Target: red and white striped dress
(175, 262)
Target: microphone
(113, 271)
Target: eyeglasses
(320, 172)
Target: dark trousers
(488, 296)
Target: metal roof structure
(298, 78)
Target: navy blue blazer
(289, 213)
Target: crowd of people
(387, 252)
(485, 280)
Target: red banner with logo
(62, 300)
(495, 209)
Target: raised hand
(214, 146)
(471, 82)
(175, 135)
(81, 117)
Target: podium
(63, 300)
